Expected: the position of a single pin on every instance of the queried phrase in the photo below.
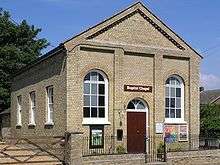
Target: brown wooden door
(136, 131)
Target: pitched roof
(114, 20)
(209, 96)
(126, 13)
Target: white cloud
(210, 81)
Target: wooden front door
(136, 131)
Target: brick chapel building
(129, 76)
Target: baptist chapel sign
(137, 88)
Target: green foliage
(160, 148)
(174, 148)
(120, 149)
(18, 46)
(210, 120)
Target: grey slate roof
(209, 96)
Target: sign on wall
(170, 134)
(137, 88)
(96, 137)
(183, 133)
(159, 127)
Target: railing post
(145, 148)
(165, 150)
(112, 144)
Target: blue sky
(196, 21)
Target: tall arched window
(95, 95)
(174, 98)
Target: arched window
(136, 105)
(95, 95)
(174, 98)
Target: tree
(19, 46)
(210, 120)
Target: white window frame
(19, 110)
(136, 105)
(176, 120)
(50, 105)
(97, 120)
(32, 112)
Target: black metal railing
(98, 146)
(193, 143)
(209, 143)
(155, 150)
(112, 145)
(155, 147)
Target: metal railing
(155, 147)
(98, 147)
(193, 143)
(111, 146)
(155, 150)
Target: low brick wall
(194, 157)
(114, 159)
(204, 157)
(124, 159)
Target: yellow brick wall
(52, 71)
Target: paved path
(13, 154)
